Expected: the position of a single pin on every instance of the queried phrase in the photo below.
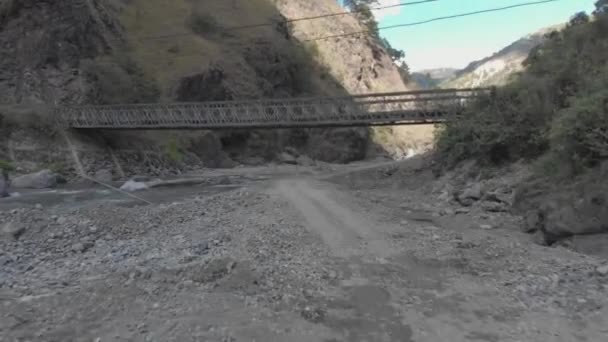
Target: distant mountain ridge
(496, 69)
(431, 78)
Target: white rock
(132, 186)
(12, 230)
(602, 270)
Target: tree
(579, 19)
(366, 17)
(395, 54)
(404, 72)
(601, 6)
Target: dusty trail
(343, 230)
(396, 292)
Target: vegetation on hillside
(557, 108)
(118, 79)
(366, 16)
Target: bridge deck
(404, 108)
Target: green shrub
(26, 116)
(57, 167)
(117, 79)
(173, 151)
(6, 166)
(579, 134)
(203, 23)
(557, 106)
(500, 128)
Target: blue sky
(456, 42)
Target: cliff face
(116, 51)
(43, 45)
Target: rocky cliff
(117, 51)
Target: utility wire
(408, 24)
(434, 19)
(287, 21)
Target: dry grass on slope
(196, 31)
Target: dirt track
(292, 259)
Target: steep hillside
(496, 69)
(431, 78)
(553, 115)
(129, 51)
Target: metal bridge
(404, 108)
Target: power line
(407, 24)
(278, 22)
(433, 20)
(411, 3)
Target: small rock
(494, 207)
(602, 270)
(287, 158)
(82, 247)
(314, 315)
(470, 195)
(78, 247)
(486, 226)
(38, 206)
(200, 249)
(13, 230)
(540, 238)
(448, 212)
(497, 197)
(532, 222)
(305, 161)
(61, 220)
(103, 176)
(462, 211)
(224, 181)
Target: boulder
(12, 230)
(540, 238)
(103, 176)
(287, 158)
(474, 191)
(132, 186)
(470, 195)
(305, 161)
(44, 179)
(532, 221)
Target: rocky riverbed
(345, 254)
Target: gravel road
(291, 258)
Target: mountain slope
(130, 51)
(496, 69)
(431, 78)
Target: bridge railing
(384, 108)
